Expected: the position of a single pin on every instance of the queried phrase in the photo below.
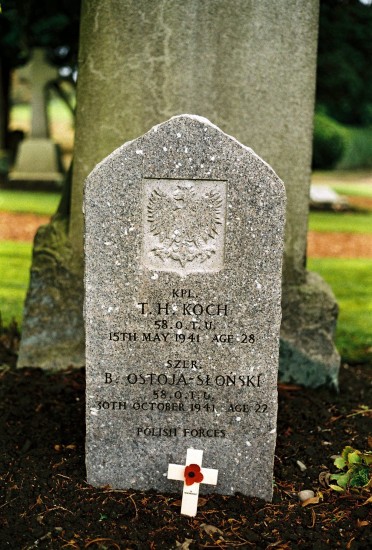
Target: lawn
(355, 183)
(351, 282)
(350, 279)
(15, 262)
(353, 190)
(347, 222)
(61, 124)
(15, 257)
(36, 202)
(20, 115)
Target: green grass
(57, 111)
(350, 279)
(347, 222)
(351, 282)
(15, 262)
(353, 190)
(21, 114)
(36, 202)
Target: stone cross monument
(37, 158)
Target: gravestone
(183, 251)
(248, 66)
(38, 156)
(323, 196)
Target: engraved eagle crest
(185, 223)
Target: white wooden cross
(186, 473)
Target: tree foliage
(344, 77)
(329, 142)
(52, 24)
(25, 24)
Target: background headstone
(249, 67)
(324, 197)
(38, 156)
(183, 252)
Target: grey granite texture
(183, 251)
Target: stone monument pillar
(37, 157)
(247, 66)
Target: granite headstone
(183, 251)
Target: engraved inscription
(184, 225)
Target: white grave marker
(192, 471)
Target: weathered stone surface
(309, 316)
(183, 249)
(52, 332)
(37, 160)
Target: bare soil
(15, 226)
(360, 202)
(339, 245)
(46, 503)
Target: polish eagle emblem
(185, 223)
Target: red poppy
(193, 474)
